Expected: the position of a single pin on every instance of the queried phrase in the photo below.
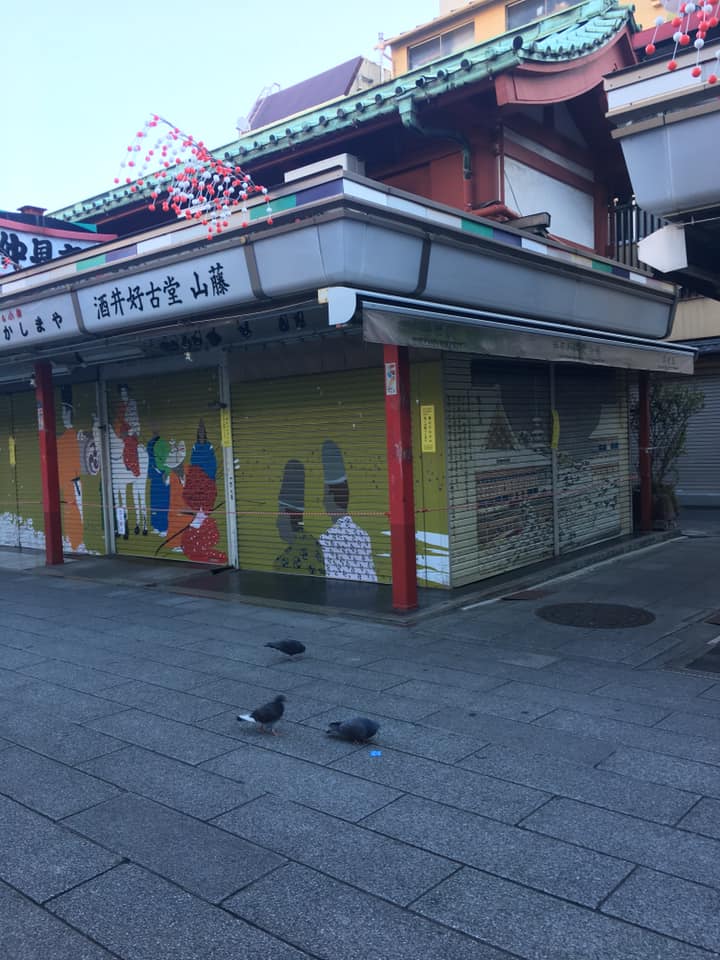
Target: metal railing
(627, 225)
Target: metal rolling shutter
(698, 469)
(167, 467)
(593, 472)
(31, 522)
(9, 530)
(295, 439)
(78, 447)
(499, 466)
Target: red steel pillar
(398, 429)
(45, 396)
(645, 462)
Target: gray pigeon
(267, 715)
(359, 729)
(290, 647)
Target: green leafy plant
(671, 407)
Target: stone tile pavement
(537, 792)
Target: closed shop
(499, 466)
(21, 507)
(166, 466)
(79, 443)
(311, 481)
(593, 464)
(535, 468)
(698, 469)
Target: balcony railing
(628, 224)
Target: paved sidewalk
(537, 791)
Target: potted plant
(672, 404)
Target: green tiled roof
(563, 36)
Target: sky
(80, 78)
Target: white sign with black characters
(190, 287)
(35, 323)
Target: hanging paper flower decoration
(688, 16)
(201, 186)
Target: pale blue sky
(81, 77)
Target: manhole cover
(608, 616)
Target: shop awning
(424, 326)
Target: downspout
(408, 115)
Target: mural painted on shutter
(166, 467)
(429, 479)
(9, 517)
(311, 477)
(79, 471)
(21, 512)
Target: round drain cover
(608, 616)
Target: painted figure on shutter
(303, 553)
(347, 550)
(202, 534)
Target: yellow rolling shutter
(167, 467)
(311, 475)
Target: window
(442, 46)
(518, 14)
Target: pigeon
(359, 729)
(290, 647)
(267, 715)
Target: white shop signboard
(190, 287)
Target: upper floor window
(518, 14)
(442, 45)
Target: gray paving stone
(198, 856)
(491, 701)
(248, 696)
(68, 703)
(409, 737)
(308, 667)
(151, 671)
(548, 865)
(593, 704)
(41, 858)
(322, 788)
(12, 659)
(680, 909)
(52, 736)
(47, 786)
(294, 739)
(386, 867)
(415, 668)
(169, 737)
(631, 735)
(537, 739)
(703, 818)
(402, 708)
(702, 778)
(188, 789)
(581, 782)
(347, 924)
(693, 724)
(172, 704)
(494, 798)
(27, 932)
(72, 675)
(536, 926)
(702, 705)
(139, 916)
(673, 851)
(12, 680)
